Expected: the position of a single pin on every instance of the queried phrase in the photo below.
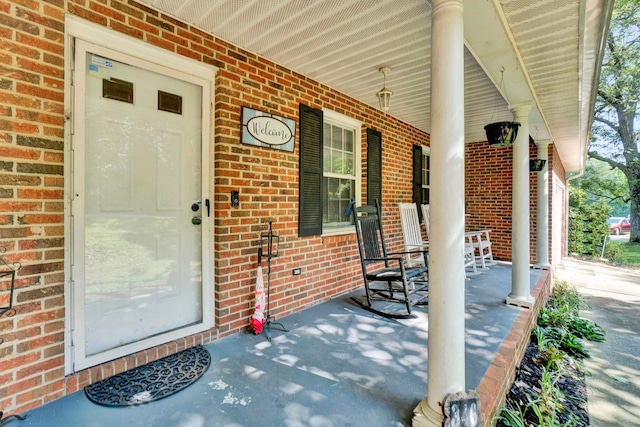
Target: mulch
(572, 384)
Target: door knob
(196, 220)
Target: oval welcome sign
(269, 130)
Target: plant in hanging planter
(502, 134)
(536, 165)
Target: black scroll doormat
(152, 381)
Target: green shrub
(566, 298)
(614, 251)
(560, 325)
(559, 335)
(585, 328)
(588, 225)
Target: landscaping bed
(549, 387)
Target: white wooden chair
(482, 247)
(412, 233)
(470, 267)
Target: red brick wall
(488, 195)
(268, 185)
(31, 200)
(32, 181)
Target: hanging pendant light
(384, 95)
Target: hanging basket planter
(536, 165)
(502, 134)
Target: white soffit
(560, 43)
(549, 50)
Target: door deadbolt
(196, 206)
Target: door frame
(173, 65)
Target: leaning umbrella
(257, 320)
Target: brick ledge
(495, 384)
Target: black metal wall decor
(502, 134)
(8, 274)
(5, 420)
(536, 165)
(269, 248)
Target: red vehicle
(619, 225)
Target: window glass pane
(425, 169)
(425, 195)
(426, 166)
(326, 160)
(326, 147)
(335, 161)
(340, 192)
(326, 130)
(348, 140)
(348, 164)
(336, 137)
(340, 182)
(339, 159)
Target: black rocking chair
(387, 278)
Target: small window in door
(118, 90)
(169, 102)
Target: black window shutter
(417, 175)
(374, 166)
(310, 209)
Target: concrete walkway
(613, 371)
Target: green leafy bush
(564, 340)
(559, 323)
(585, 328)
(614, 251)
(588, 225)
(559, 335)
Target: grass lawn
(631, 254)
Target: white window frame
(334, 118)
(426, 152)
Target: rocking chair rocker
(387, 278)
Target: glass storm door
(136, 205)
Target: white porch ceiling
(550, 51)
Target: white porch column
(520, 239)
(542, 208)
(446, 365)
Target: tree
(602, 182)
(615, 135)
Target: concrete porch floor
(338, 366)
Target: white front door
(138, 205)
